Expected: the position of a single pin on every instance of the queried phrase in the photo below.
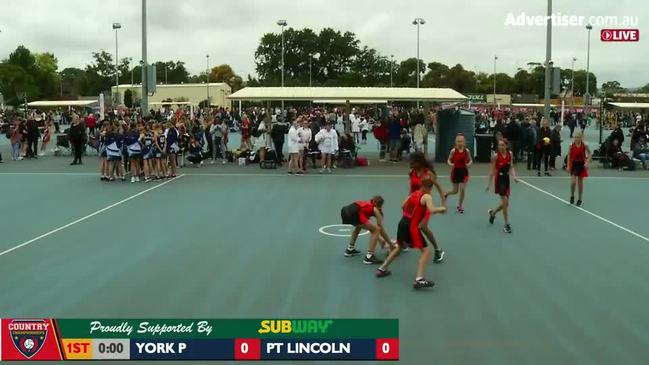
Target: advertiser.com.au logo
(620, 35)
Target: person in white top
(365, 127)
(419, 135)
(260, 141)
(294, 146)
(327, 140)
(356, 126)
(305, 136)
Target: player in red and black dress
(420, 169)
(501, 169)
(358, 214)
(578, 160)
(459, 159)
(417, 209)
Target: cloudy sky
(469, 32)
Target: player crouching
(358, 214)
(417, 209)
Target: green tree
(74, 82)
(14, 80)
(645, 89)
(406, 75)
(100, 73)
(337, 50)
(612, 87)
(224, 73)
(128, 98)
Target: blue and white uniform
(147, 146)
(133, 146)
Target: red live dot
(247, 349)
(387, 349)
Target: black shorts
(459, 175)
(350, 215)
(405, 232)
(578, 168)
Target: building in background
(193, 93)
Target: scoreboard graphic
(40, 339)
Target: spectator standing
(544, 147)
(512, 132)
(381, 135)
(394, 135)
(77, 137)
(16, 138)
(555, 145)
(91, 123)
(419, 135)
(277, 134)
(33, 135)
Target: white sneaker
(202, 163)
(132, 179)
(212, 162)
(137, 179)
(329, 170)
(41, 154)
(224, 162)
(322, 170)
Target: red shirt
(365, 211)
(415, 180)
(460, 158)
(577, 153)
(90, 120)
(413, 201)
(502, 162)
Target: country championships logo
(28, 336)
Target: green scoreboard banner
(199, 339)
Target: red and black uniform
(459, 171)
(578, 160)
(503, 165)
(357, 213)
(415, 180)
(414, 212)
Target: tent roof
(358, 101)
(524, 105)
(631, 105)
(171, 103)
(344, 94)
(55, 103)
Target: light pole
(311, 57)
(587, 95)
(495, 60)
(116, 27)
(207, 79)
(548, 63)
(282, 23)
(391, 69)
(144, 101)
(572, 83)
(418, 22)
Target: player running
(579, 156)
(501, 169)
(417, 209)
(358, 214)
(459, 159)
(420, 169)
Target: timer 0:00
(111, 348)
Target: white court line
(400, 176)
(638, 235)
(87, 217)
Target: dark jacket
(77, 133)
